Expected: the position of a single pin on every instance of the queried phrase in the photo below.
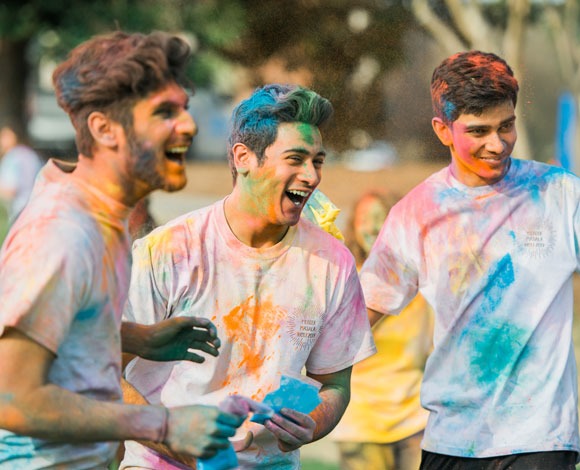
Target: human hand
(199, 430)
(175, 339)
(242, 406)
(292, 429)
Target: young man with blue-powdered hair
(283, 294)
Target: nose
(495, 144)
(310, 174)
(186, 125)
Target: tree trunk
(14, 84)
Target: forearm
(335, 398)
(132, 396)
(53, 413)
(133, 338)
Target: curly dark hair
(111, 72)
(471, 82)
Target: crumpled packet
(226, 459)
(300, 394)
(320, 210)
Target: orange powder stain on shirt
(250, 327)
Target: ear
(242, 158)
(443, 131)
(105, 132)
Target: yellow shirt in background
(385, 404)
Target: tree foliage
(503, 27)
(346, 45)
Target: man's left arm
(294, 429)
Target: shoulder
(533, 174)
(319, 242)
(179, 233)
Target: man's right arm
(132, 396)
(31, 406)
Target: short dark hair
(470, 82)
(111, 72)
(255, 120)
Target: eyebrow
(304, 151)
(173, 102)
(487, 126)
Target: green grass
(3, 222)
(311, 464)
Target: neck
(101, 173)
(251, 229)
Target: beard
(144, 162)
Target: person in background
(19, 165)
(492, 243)
(283, 294)
(383, 425)
(65, 268)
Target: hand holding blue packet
(226, 459)
(297, 394)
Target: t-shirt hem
(501, 451)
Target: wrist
(164, 426)
(134, 338)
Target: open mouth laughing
(298, 198)
(177, 154)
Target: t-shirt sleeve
(146, 302)
(389, 276)
(44, 281)
(345, 337)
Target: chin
(174, 184)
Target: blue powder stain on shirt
(87, 314)
(16, 447)
(495, 344)
(501, 276)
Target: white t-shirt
(18, 170)
(496, 264)
(279, 309)
(64, 277)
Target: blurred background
(372, 58)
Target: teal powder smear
(496, 344)
(307, 132)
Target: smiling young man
(282, 293)
(492, 243)
(65, 266)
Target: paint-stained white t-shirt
(64, 277)
(278, 309)
(496, 264)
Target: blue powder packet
(297, 394)
(225, 459)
